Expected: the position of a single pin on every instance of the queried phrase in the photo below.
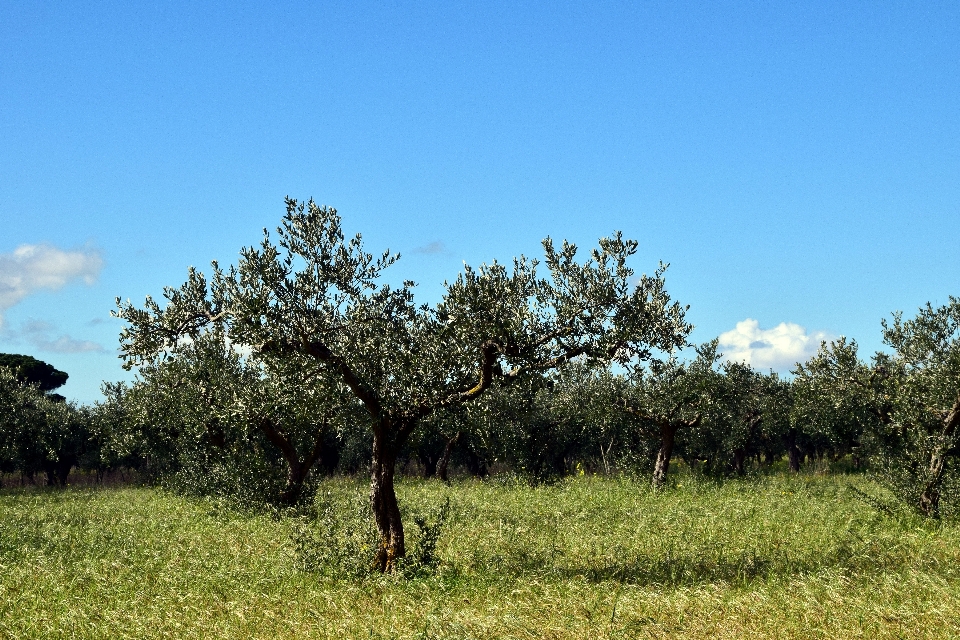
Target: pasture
(787, 556)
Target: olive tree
(667, 396)
(838, 399)
(926, 411)
(214, 421)
(906, 404)
(541, 427)
(20, 413)
(39, 434)
(318, 301)
(748, 412)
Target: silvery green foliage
(907, 403)
(840, 401)
(315, 301)
(210, 420)
(20, 413)
(531, 427)
(746, 415)
(315, 297)
(666, 398)
(921, 434)
(339, 539)
(576, 406)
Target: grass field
(775, 556)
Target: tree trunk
(63, 471)
(740, 454)
(793, 452)
(930, 498)
(739, 458)
(793, 455)
(428, 463)
(296, 474)
(668, 433)
(297, 468)
(383, 499)
(476, 465)
(445, 459)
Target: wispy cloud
(433, 248)
(34, 267)
(66, 344)
(42, 336)
(778, 348)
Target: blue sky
(796, 162)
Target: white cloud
(777, 348)
(34, 267)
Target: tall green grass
(778, 556)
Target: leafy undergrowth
(776, 556)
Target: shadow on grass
(685, 568)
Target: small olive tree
(905, 404)
(668, 396)
(838, 400)
(317, 300)
(214, 421)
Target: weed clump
(338, 538)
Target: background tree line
(208, 421)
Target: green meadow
(802, 556)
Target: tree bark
(740, 454)
(445, 459)
(58, 471)
(739, 459)
(793, 452)
(930, 498)
(63, 471)
(383, 499)
(428, 461)
(668, 433)
(297, 469)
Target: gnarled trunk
(930, 498)
(58, 471)
(793, 452)
(739, 461)
(383, 499)
(297, 469)
(428, 462)
(296, 475)
(740, 454)
(445, 459)
(668, 433)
